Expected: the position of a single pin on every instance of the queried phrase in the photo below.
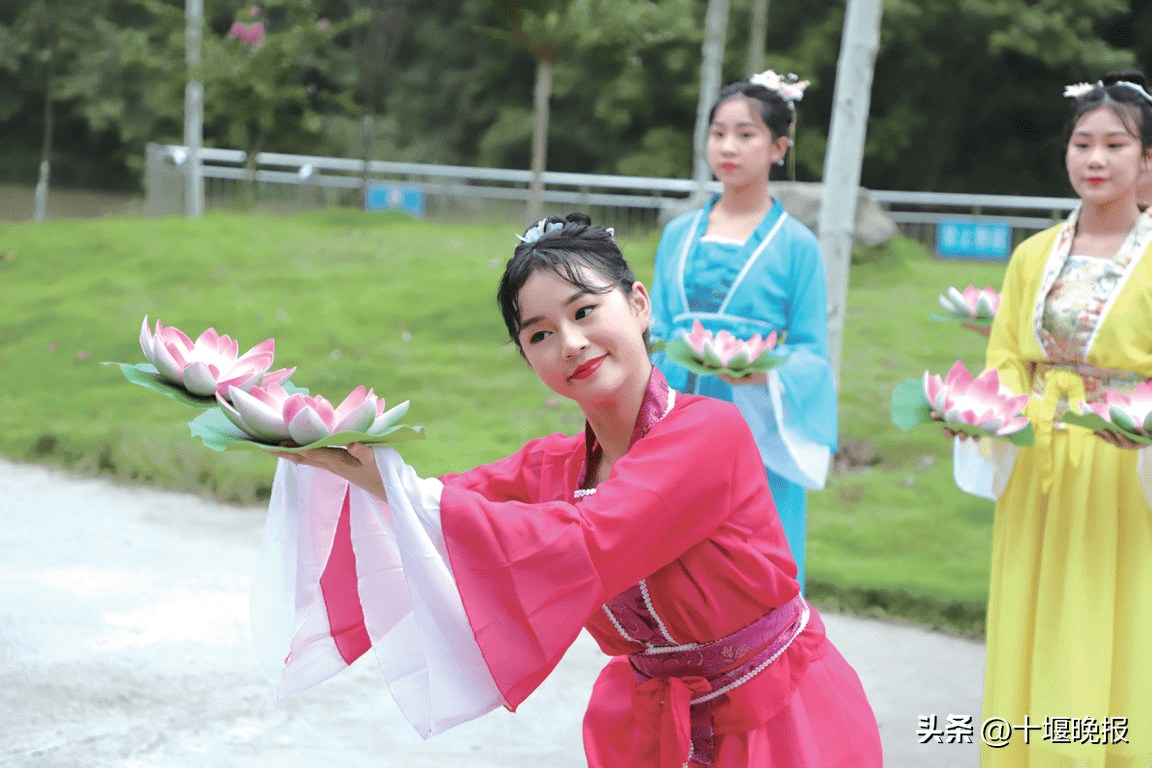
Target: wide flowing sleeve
(794, 417)
(340, 572)
(532, 575)
(982, 467)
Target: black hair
(774, 109)
(566, 244)
(1131, 106)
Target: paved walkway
(124, 642)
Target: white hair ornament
(539, 228)
(790, 87)
(1076, 90)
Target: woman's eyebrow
(569, 300)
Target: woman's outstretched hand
(1119, 440)
(757, 377)
(951, 433)
(356, 464)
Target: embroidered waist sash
(676, 684)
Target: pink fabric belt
(676, 684)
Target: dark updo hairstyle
(774, 109)
(1131, 106)
(564, 249)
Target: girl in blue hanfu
(654, 529)
(743, 265)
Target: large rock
(802, 200)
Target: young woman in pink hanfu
(654, 529)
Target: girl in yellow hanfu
(1069, 633)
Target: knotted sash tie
(675, 685)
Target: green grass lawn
(408, 307)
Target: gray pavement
(124, 642)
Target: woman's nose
(574, 340)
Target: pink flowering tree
(272, 68)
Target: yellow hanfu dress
(1069, 634)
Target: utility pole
(757, 31)
(193, 109)
(712, 59)
(844, 157)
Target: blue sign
(392, 197)
(966, 239)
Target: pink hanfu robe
(486, 587)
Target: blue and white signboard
(968, 239)
(393, 197)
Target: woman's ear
(640, 302)
(777, 149)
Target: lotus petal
(261, 420)
(199, 379)
(1014, 424)
(698, 337)
(984, 308)
(957, 299)
(265, 349)
(710, 356)
(933, 387)
(958, 377)
(948, 306)
(1122, 419)
(357, 412)
(388, 419)
(277, 377)
(308, 426)
(166, 363)
(241, 378)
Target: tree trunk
(757, 31)
(41, 199)
(845, 156)
(539, 139)
(712, 59)
(193, 109)
(366, 128)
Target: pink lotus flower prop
(979, 406)
(981, 402)
(974, 305)
(208, 366)
(725, 350)
(273, 415)
(1128, 415)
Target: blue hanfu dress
(774, 281)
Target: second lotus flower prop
(292, 420)
(196, 372)
(976, 306)
(979, 406)
(703, 353)
(1127, 415)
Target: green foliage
(966, 95)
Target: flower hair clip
(790, 87)
(1079, 89)
(538, 229)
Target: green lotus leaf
(220, 434)
(681, 353)
(1096, 423)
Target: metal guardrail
(318, 178)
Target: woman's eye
(583, 312)
(537, 337)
